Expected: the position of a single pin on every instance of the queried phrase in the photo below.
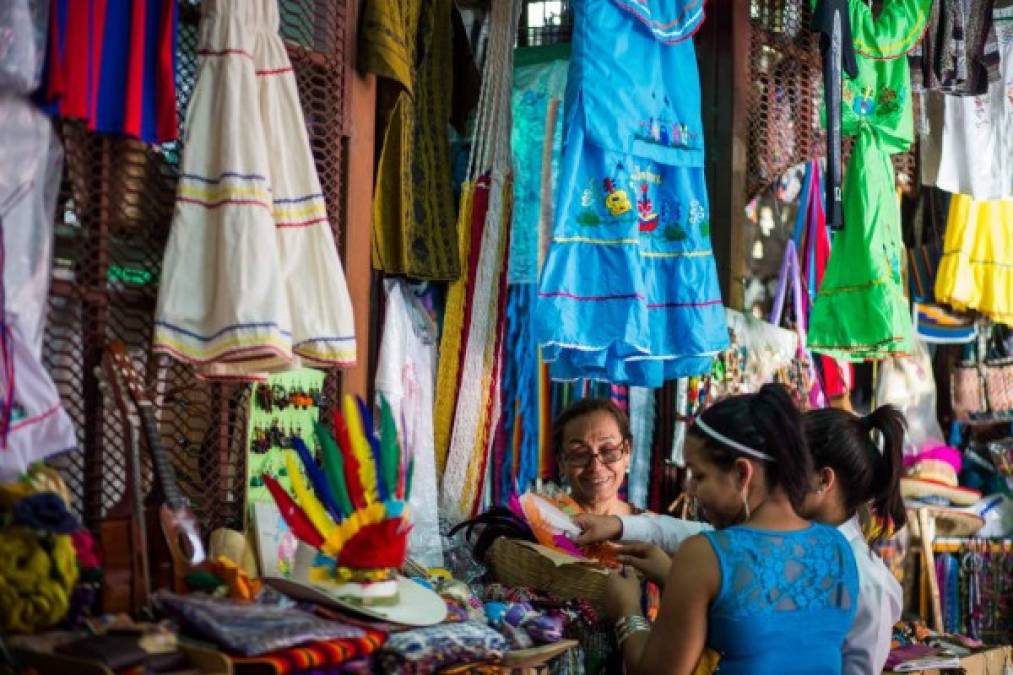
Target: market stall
(310, 306)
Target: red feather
(355, 491)
(294, 516)
(380, 545)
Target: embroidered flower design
(696, 212)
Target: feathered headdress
(354, 509)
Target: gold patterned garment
(408, 43)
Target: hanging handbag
(813, 243)
(983, 385)
(800, 376)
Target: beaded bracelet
(628, 625)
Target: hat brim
(949, 522)
(416, 605)
(916, 488)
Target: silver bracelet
(628, 625)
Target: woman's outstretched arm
(678, 638)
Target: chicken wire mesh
(785, 96)
(113, 219)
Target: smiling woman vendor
(593, 441)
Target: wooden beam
(723, 54)
(359, 208)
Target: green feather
(390, 453)
(335, 468)
(411, 472)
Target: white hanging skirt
(251, 280)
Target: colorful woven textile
(409, 44)
(251, 629)
(112, 63)
(423, 650)
(539, 80)
(468, 404)
(323, 654)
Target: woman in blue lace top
(769, 591)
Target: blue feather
(318, 478)
(374, 445)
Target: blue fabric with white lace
(787, 600)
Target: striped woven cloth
(323, 654)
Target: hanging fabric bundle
(251, 280)
(410, 45)
(629, 293)
(112, 63)
(33, 422)
(468, 393)
(861, 311)
(642, 414)
(812, 240)
(406, 378)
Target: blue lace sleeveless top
(787, 600)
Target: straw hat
(933, 473)
(949, 522)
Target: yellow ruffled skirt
(976, 270)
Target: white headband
(721, 438)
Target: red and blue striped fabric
(313, 655)
(112, 63)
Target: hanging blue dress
(629, 292)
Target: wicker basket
(520, 563)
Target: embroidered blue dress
(786, 603)
(629, 292)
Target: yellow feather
(361, 449)
(349, 527)
(307, 500)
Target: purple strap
(790, 276)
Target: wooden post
(359, 208)
(722, 47)
(927, 533)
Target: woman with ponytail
(858, 464)
(768, 590)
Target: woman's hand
(622, 594)
(596, 528)
(648, 558)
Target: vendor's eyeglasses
(582, 460)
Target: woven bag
(967, 393)
(983, 385)
(999, 385)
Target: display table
(993, 661)
(519, 662)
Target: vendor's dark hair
(844, 442)
(768, 422)
(586, 407)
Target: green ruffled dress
(861, 311)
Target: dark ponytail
(769, 422)
(867, 475)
